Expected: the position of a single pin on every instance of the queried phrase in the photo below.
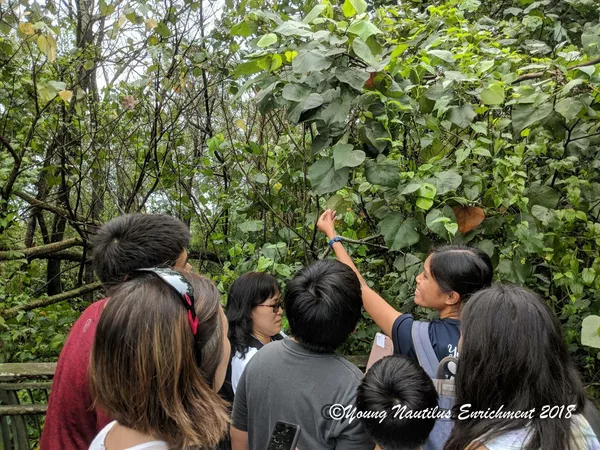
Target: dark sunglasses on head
(182, 287)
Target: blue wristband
(334, 240)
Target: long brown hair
(144, 371)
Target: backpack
(438, 371)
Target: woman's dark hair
(461, 269)
(395, 382)
(248, 291)
(323, 305)
(513, 356)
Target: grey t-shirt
(285, 381)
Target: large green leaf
(382, 174)
(295, 92)
(310, 61)
(525, 115)
(324, 178)
(314, 100)
(569, 107)
(363, 51)
(408, 265)
(345, 156)
(590, 331)
(267, 40)
(446, 181)
(514, 271)
(461, 116)
(493, 94)
(293, 28)
(590, 39)
(353, 7)
(314, 13)
(363, 29)
(251, 225)
(353, 77)
(542, 195)
(399, 233)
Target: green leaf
(514, 271)
(382, 174)
(526, 115)
(543, 214)
(241, 29)
(295, 92)
(353, 7)
(324, 178)
(427, 190)
(588, 275)
(310, 61)
(363, 51)
(163, 30)
(462, 154)
(399, 233)
(493, 94)
(435, 221)
(345, 156)
(314, 100)
(461, 116)
(444, 55)
(590, 331)
(354, 78)
(424, 203)
(246, 68)
(569, 108)
(267, 40)
(293, 28)
(314, 13)
(363, 29)
(446, 181)
(590, 39)
(542, 195)
(408, 264)
(251, 225)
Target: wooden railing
(24, 390)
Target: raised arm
(381, 311)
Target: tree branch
(11, 312)
(535, 75)
(55, 209)
(40, 251)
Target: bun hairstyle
(144, 371)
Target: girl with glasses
(159, 357)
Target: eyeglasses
(177, 282)
(275, 307)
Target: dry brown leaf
(468, 217)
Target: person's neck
(449, 312)
(261, 337)
(121, 438)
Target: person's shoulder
(348, 369)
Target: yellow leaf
(66, 95)
(51, 54)
(151, 24)
(42, 44)
(289, 56)
(240, 124)
(26, 28)
(121, 21)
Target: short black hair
(323, 305)
(135, 241)
(397, 380)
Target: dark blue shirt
(443, 334)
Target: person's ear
(453, 298)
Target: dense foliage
(422, 123)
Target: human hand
(326, 223)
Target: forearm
(239, 439)
(382, 313)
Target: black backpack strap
(423, 348)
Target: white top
(239, 362)
(98, 442)
(583, 438)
